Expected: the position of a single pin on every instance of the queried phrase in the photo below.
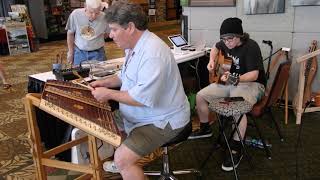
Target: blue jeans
(81, 55)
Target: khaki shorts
(250, 91)
(145, 139)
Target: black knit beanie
(231, 26)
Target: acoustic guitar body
(214, 77)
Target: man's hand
(101, 94)
(98, 83)
(70, 57)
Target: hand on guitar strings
(230, 79)
(211, 66)
(225, 76)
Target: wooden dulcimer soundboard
(75, 105)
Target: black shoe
(227, 163)
(201, 133)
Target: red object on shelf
(3, 36)
(30, 38)
(56, 11)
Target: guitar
(214, 76)
(310, 72)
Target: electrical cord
(85, 155)
(197, 73)
(299, 138)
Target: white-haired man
(87, 29)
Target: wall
(295, 28)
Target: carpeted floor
(15, 157)
(282, 165)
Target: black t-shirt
(245, 58)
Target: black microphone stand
(271, 50)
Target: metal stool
(228, 109)
(166, 173)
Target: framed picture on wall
(263, 6)
(305, 2)
(206, 3)
(17, 37)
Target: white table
(188, 55)
(109, 64)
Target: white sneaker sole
(231, 168)
(109, 169)
(202, 136)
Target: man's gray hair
(122, 12)
(93, 3)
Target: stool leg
(230, 151)
(166, 174)
(267, 150)
(162, 177)
(224, 123)
(241, 139)
(234, 129)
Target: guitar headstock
(233, 79)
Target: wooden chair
(265, 104)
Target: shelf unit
(56, 16)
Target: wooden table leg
(94, 158)
(34, 134)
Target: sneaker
(227, 164)
(201, 133)
(109, 166)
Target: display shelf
(56, 17)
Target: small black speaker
(67, 74)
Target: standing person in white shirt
(87, 30)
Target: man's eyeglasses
(227, 39)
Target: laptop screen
(178, 40)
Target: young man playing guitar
(247, 62)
